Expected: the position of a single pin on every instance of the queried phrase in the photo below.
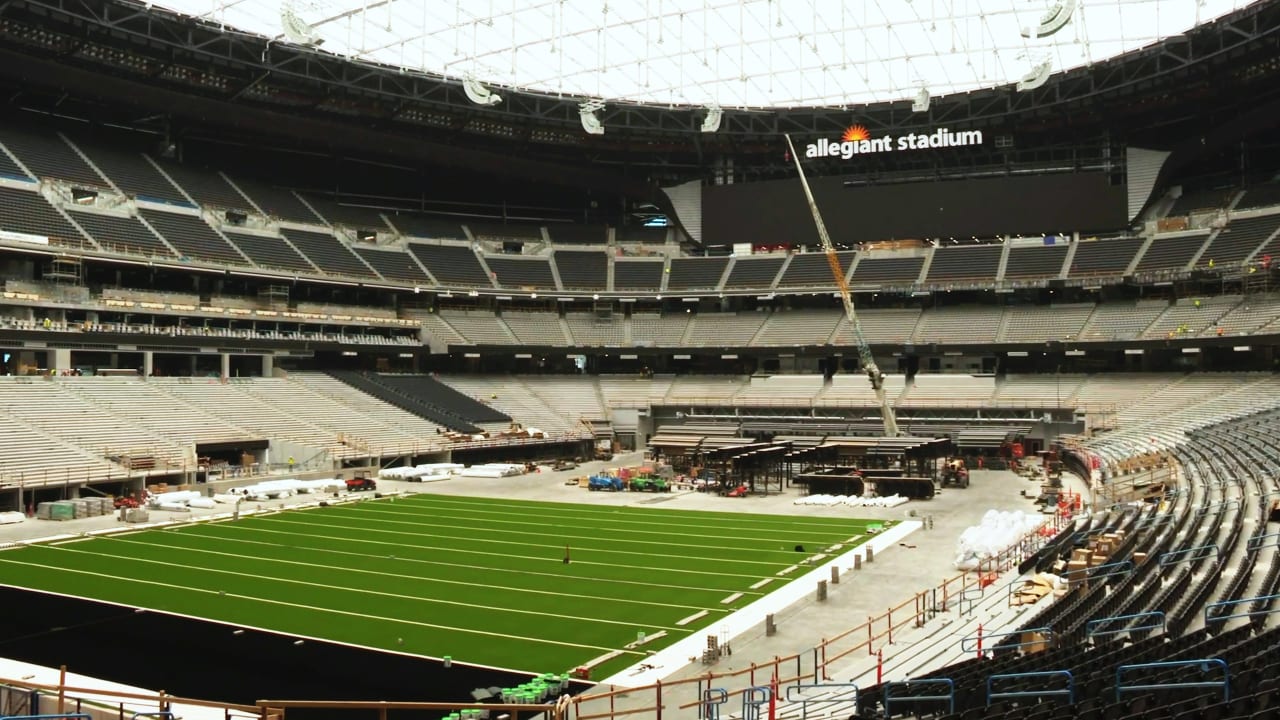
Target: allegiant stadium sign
(857, 141)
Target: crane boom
(864, 349)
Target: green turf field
(482, 580)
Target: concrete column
(225, 371)
(148, 363)
(268, 365)
(60, 360)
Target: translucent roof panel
(730, 53)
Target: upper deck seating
(1035, 261)
(961, 262)
(519, 272)
(643, 275)
(582, 269)
(695, 273)
(1104, 257)
(328, 253)
(753, 272)
(451, 265)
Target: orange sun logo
(855, 133)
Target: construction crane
(864, 349)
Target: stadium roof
(726, 53)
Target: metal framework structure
(54, 41)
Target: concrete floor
(917, 563)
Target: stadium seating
(1198, 201)
(206, 187)
(582, 269)
(512, 397)
(270, 251)
(951, 390)
(393, 264)
(958, 262)
(957, 325)
(659, 330)
(536, 328)
(192, 237)
(121, 234)
(524, 273)
(133, 174)
(797, 328)
(1104, 257)
(48, 156)
(893, 271)
(695, 273)
(812, 270)
(1035, 261)
(753, 272)
(1121, 321)
(1259, 196)
(1239, 239)
(353, 216)
(414, 225)
(590, 330)
(480, 327)
(1036, 324)
(276, 202)
(637, 274)
(1189, 317)
(1170, 253)
(452, 265)
(28, 212)
(327, 253)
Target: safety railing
(1069, 692)
(1205, 665)
(828, 694)
(1257, 542)
(1200, 552)
(754, 699)
(712, 700)
(1211, 610)
(813, 666)
(1098, 628)
(949, 697)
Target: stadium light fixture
(711, 122)
(1054, 20)
(921, 103)
(1037, 76)
(590, 121)
(479, 94)
(296, 29)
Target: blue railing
(1157, 521)
(754, 698)
(839, 693)
(949, 698)
(1040, 636)
(712, 700)
(1069, 692)
(1206, 665)
(1258, 542)
(1209, 609)
(1200, 552)
(1155, 619)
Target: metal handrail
(798, 696)
(1205, 664)
(1210, 617)
(1091, 627)
(1069, 692)
(950, 697)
